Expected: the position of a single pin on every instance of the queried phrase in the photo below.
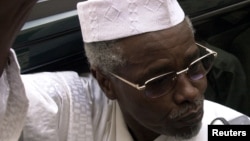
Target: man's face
(178, 112)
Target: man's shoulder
(55, 85)
(55, 97)
(50, 79)
(50, 75)
(63, 84)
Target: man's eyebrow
(155, 70)
(167, 66)
(192, 56)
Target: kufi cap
(103, 20)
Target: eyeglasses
(164, 83)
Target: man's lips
(191, 118)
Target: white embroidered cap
(103, 20)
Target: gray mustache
(185, 108)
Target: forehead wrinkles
(148, 55)
(145, 49)
(149, 44)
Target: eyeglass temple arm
(207, 49)
(129, 83)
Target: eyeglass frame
(142, 87)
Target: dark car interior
(51, 40)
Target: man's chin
(188, 132)
(185, 132)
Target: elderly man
(147, 82)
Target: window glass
(45, 8)
(197, 7)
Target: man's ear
(104, 82)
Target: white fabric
(102, 20)
(92, 117)
(14, 103)
(4, 94)
(59, 107)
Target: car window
(198, 7)
(45, 8)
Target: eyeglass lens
(163, 85)
(200, 68)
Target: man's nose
(185, 91)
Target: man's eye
(159, 82)
(196, 67)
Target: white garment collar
(121, 128)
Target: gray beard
(184, 136)
(192, 133)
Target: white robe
(64, 106)
(99, 119)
